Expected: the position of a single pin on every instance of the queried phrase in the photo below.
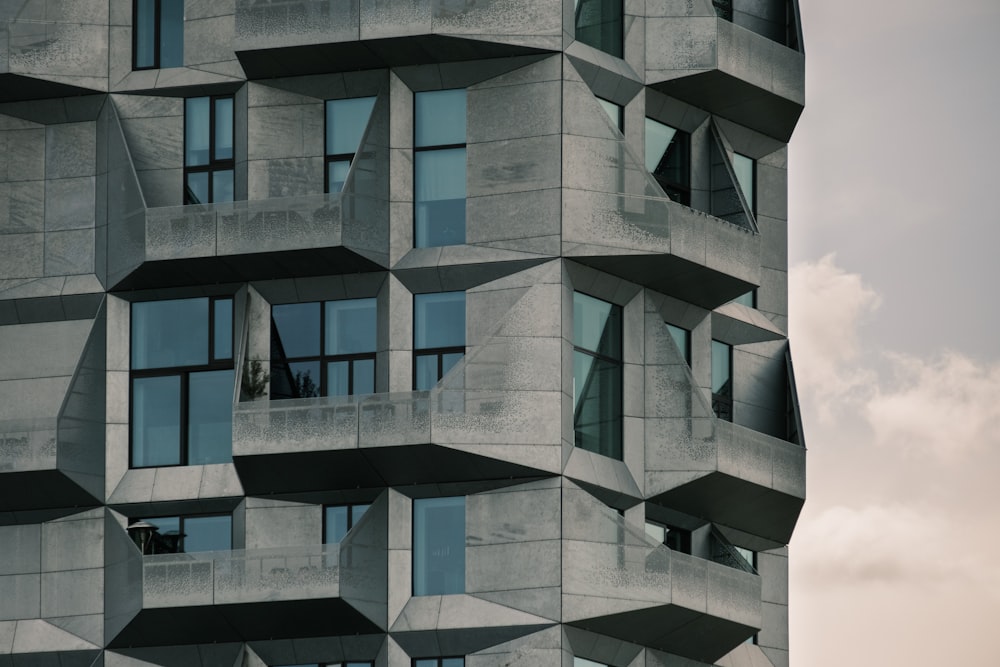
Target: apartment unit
(396, 333)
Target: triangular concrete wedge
(460, 612)
(38, 636)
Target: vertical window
(722, 380)
(746, 176)
(439, 168)
(439, 546)
(323, 349)
(189, 534)
(339, 519)
(438, 336)
(181, 382)
(597, 375)
(346, 121)
(615, 112)
(208, 149)
(157, 34)
(668, 159)
(675, 539)
(439, 662)
(682, 337)
(599, 24)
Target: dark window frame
(157, 35)
(431, 148)
(184, 373)
(722, 403)
(335, 157)
(620, 363)
(214, 164)
(350, 516)
(439, 352)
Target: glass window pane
(597, 325)
(210, 417)
(297, 327)
(364, 376)
(335, 523)
(222, 186)
(358, 511)
(338, 378)
(449, 360)
(599, 24)
(656, 531)
(337, 175)
(208, 533)
(583, 662)
(305, 379)
(439, 197)
(453, 662)
(597, 402)
(196, 131)
(171, 33)
(224, 128)
(721, 368)
(438, 546)
(145, 35)
(613, 110)
(156, 421)
(746, 299)
(346, 121)
(223, 340)
(658, 139)
(439, 117)
(426, 372)
(682, 338)
(350, 326)
(426, 662)
(438, 320)
(744, 168)
(196, 188)
(169, 333)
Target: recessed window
(749, 556)
(189, 534)
(438, 336)
(668, 159)
(323, 348)
(439, 168)
(748, 299)
(439, 546)
(615, 112)
(722, 380)
(339, 519)
(746, 176)
(674, 538)
(682, 338)
(583, 662)
(157, 34)
(346, 121)
(599, 24)
(597, 375)
(208, 149)
(439, 662)
(182, 382)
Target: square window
(157, 34)
(439, 546)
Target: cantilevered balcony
(41, 59)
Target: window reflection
(339, 519)
(438, 546)
(597, 375)
(346, 121)
(208, 149)
(682, 338)
(438, 336)
(157, 34)
(190, 534)
(439, 168)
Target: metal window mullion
(185, 397)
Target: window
(668, 159)
(439, 168)
(439, 662)
(583, 662)
(746, 176)
(346, 121)
(323, 349)
(438, 336)
(615, 112)
(748, 299)
(338, 519)
(682, 337)
(676, 539)
(597, 375)
(334, 664)
(747, 555)
(208, 149)
(599, 24)
(188, 534)
(181, 382)
(722, 380)
(439, 546)
(157, 34)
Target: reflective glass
(438, 320)
(196, 124)
(426, 662)
(144, 26)
(335, 519)
(426, 372)
(169, 333)
(224, 128)
(668, 159)
(439, 117)
(583, 662)
(744, 168)
(439, 197)
(223, 339)
(171, 33)
(166, 524)
(346, 121)
(297, 325)
(338, 378)
(438, 546)
(599, 24)
(613, 110)
(156, 418)
(337, 175)
(747, 299)
(682, 338)
(208, 533)
(350, 326)
(722, 370)
(658, 139)
(597, 325)
(597, 401)
(196, 188)
(364, 376)
(305, 378)
(453, 662)
(222, 186)
(210, 417)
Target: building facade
(396, 333)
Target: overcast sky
(895, 255)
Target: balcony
(41, 59)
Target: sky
(893, 261)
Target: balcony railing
(27, 444)
(726, 554)
(53, 48)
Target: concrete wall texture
(561, 559)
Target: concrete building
(396, 333)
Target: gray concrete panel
(73, 592)
(22, 596)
